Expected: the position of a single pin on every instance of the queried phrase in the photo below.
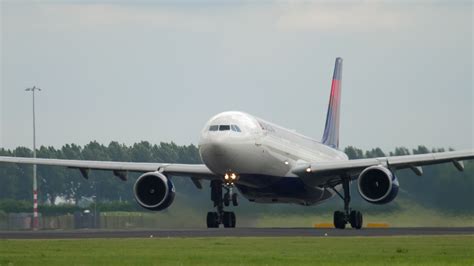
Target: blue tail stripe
(331, 129)
(338, 69)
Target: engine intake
(378, 185)
(154, 191)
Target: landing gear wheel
(234, 200)
(348, 215)
(339, 220)
(233, 219)
(212, 220)
(229, 220)
(226, 199)
(355, 219)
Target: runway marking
(324, 225)
(369, 225)
(378, 225)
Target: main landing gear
(214, 219)
(341, 218)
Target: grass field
(445, 250)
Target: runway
(237, 232)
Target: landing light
(230, 178)
(287, 163)
(308, 170)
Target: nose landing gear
(214, 219)
(230, 197)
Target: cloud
(361, 17)
(88, 16)
(282, 16)
(149, 16)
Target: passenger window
(224, 127)
(213, 128)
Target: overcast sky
(129, 72)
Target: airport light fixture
(35, 183)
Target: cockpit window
(224, 127)
(235, 128)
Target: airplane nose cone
(218, 154)
(212, 149)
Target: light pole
(35, 183)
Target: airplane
(268, 163)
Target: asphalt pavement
(236, 232)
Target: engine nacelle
(378, 185)
(154, 191)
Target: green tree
(50, 179)
(354, 153)
(400, 151)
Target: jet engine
(154, 191)
(378, 185)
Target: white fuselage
(263, 154)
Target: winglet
(331, 130)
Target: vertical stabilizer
(331, 130)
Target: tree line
(53, 182)
(441, 186)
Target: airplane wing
(322, 173)
(120, 169)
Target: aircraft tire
(233, 219)
(235, 202)
(212, 220)
(339, 220)
(226, 199)
(228, 219)
(356, 219)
